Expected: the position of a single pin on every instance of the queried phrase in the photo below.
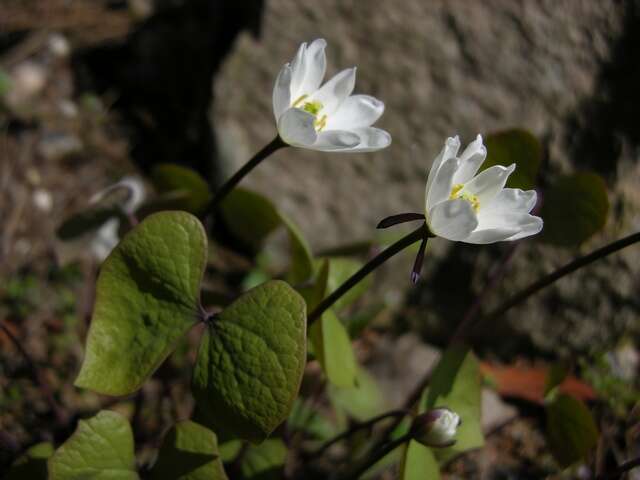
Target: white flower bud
(436, 428)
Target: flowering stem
(559, 273)
(377, 456)
(275, 144)
(358, 426)
(404, 242)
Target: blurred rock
(59, 45)
(495, 412)
(42, 200)
(28, 80)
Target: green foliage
(183, 187)
(264, 461)
(252, 217)
(456, 384)
(101, 448)
(147, 298)
(332, 348)
(519, 147)
(32, 464)
(362, 401)
(304, 417)
(418, 463)
(251, 360)
(189, 452)
(5, 83)
(340, 269)
(574, 208)
(571, 429)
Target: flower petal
(470, 161)
(356, 111)
(450, 149)
(336, 140)
(512, 199)
(371, 139)
(315, 63)
(335, 91)
(281, 92)
(508, 227)
(298, 70)
(453, 219)
(296, 128)
(488, 183)
(439, 189)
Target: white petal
(355, 112)
(508, 227)
(449, 150)
(470, 161)
(440, 188)
(488, 183)
(315, 62)
(512, 199)
(335, 91)
(298, 70)
(281, 92)
(371, 139)
(336, 140)
(491, 235)
(453, 219)
(296, 128)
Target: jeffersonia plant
(254, 348)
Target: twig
(376, 456)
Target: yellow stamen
(321, 123)
(312, 107)
(456, 192)
(299, 100)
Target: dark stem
(225, 189)
(376, 456)
(561, 272)
(400, 218)
(60, 415)
(623, 468)
(358, 426)
(369, 267)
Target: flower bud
(436, 428)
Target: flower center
(457, 192)
(313, 107)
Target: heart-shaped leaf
(456, 384)
(189, 452)
(418, 463)
(101, 448)
(571, 429)
(147, 298)
(250, 362)
(190, 191)
(574, 208)
(519, 147)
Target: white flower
(462, 206)
(437, 427)
(326, 117)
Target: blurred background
(91, 91)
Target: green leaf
(308, 419)
(332, 347)
(418, 463)
(519, 147)
(189, 190)
(101, 448)
(571, 429)
(86, 221)
(301, 265)
(189, 452)
(229, 450)
(32, 464)
(251, 360)
(362, 402)
(147, 298)
(249, 216)
(340, 269)
(264, 461)
(456, 384)
(313, 292)
(574, 209)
